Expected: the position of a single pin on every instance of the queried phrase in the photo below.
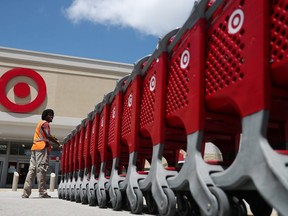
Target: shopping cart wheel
(72, 195)
(92, 199)
(258, 211)
(186, 205)
(101, 198)
(77, 196)
(238, 207)
(150, 203)
(224, 208)
(67, 195)
(138, 206)
(125, 202)
(170, 209)
(117, 200)
(258, 205)
(84, 198)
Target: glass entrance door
(22, 168)
(17, 166)
(1, 171)
(12, 167)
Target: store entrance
(21, 167)
(1, 170)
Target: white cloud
(152, 17)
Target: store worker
(39, 161)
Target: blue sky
(110, 30)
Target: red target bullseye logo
(152, 85)
(236, 21)
(185, 58)
(114, 112)
(22, 90)
(130, 100)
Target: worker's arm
(51, 138)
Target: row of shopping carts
(221, 78)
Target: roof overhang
(16, 126)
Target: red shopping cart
(74, 164)
(64, 168)
(130, 137)
(87, 159)
(95, 159)
(159, 197)
(184, 109)
(119, 153)
(237, 81)
(102, 146)
(80, 162)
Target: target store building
(31, 82)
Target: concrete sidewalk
(11, 204)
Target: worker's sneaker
(24, 196)
(44, 196)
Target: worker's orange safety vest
(39, 140)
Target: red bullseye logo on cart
(185, 58)
(22, 90)
(236, 21)
(152, 85)
(114, 112)
(130, 100)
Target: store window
(23, 169)
(12, 167)
(3, 148)
(20, 148)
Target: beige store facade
(31, 82)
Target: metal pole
(15, 181)
(52, 182)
